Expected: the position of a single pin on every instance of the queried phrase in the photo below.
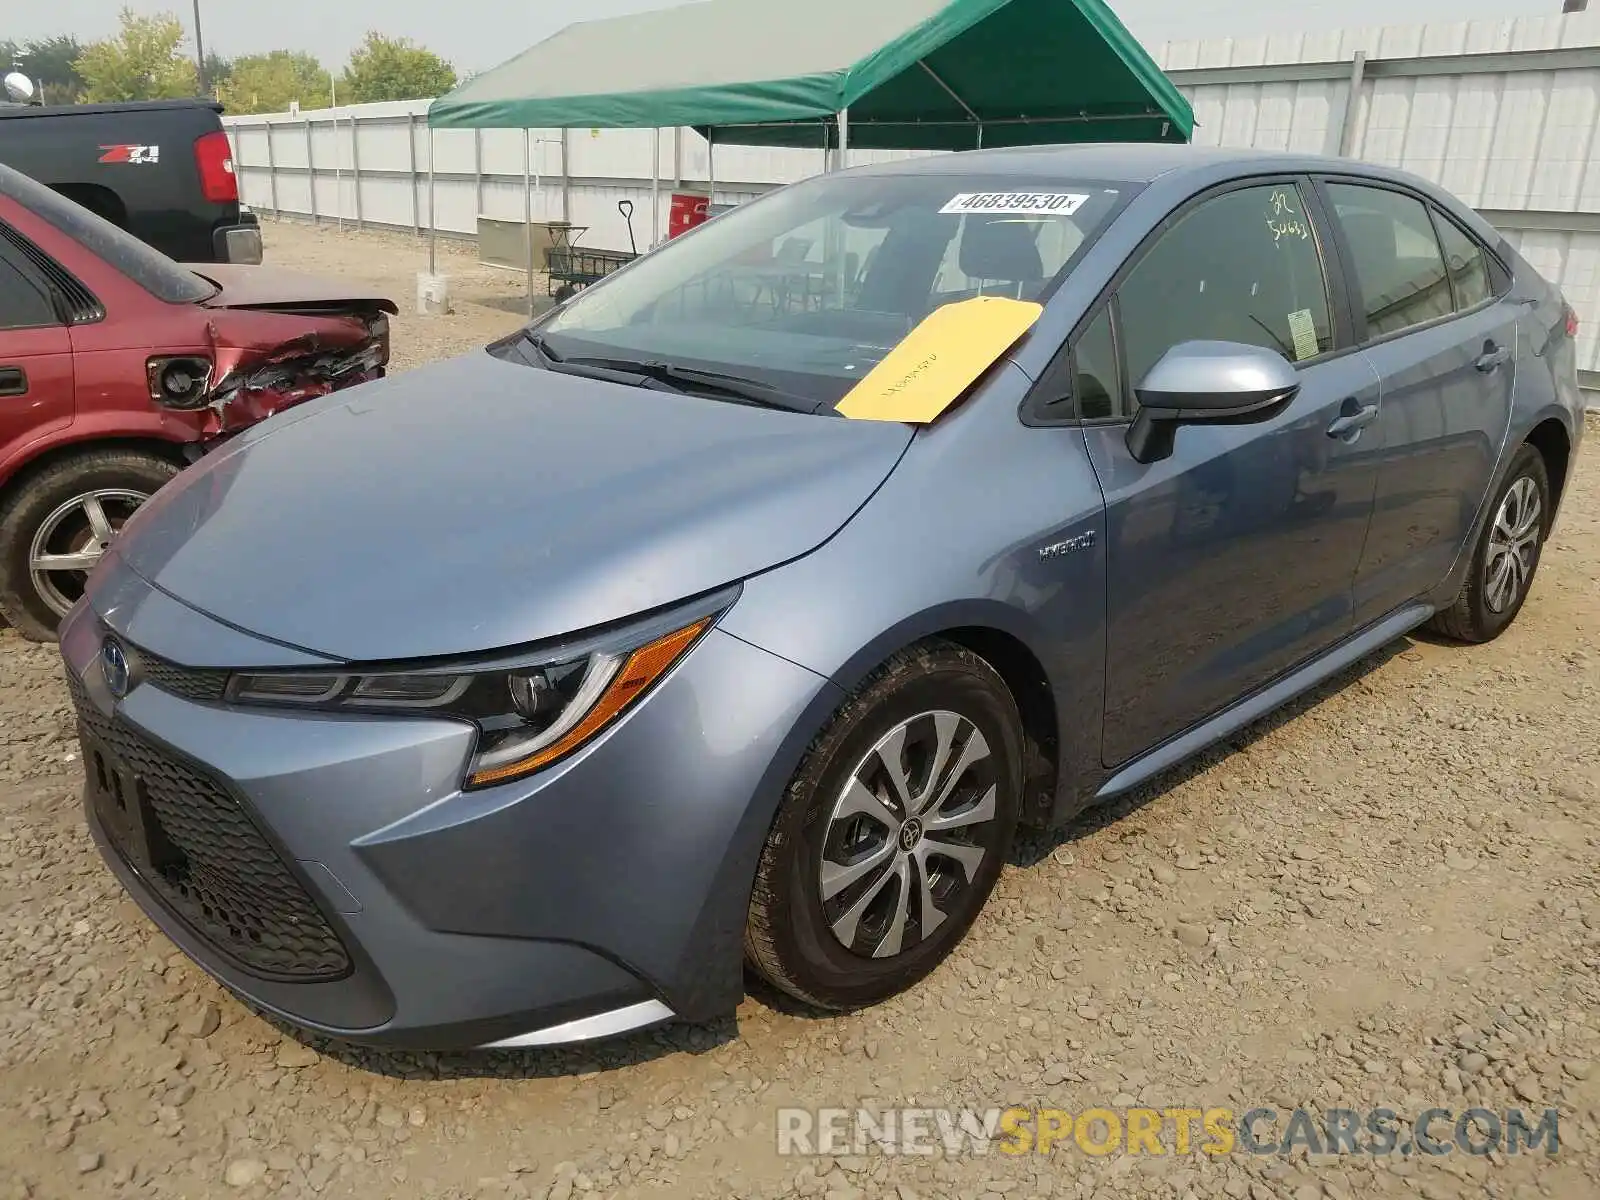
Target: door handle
(1492, 357)
(1352, 419)
(13, 381)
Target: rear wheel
(1506, 556)
(57, 524)
(892, 832)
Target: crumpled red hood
(245, 286)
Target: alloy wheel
(907, 833)
(1513, 546)
(73, 538)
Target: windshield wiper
(541, 347)
(668, 377)
(733, 387)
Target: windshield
(809, 287)
(145, 265)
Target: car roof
(1113, 162)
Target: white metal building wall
(1506, 114)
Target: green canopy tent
(875, 74)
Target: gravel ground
(1386, 896)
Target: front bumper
(604, 893)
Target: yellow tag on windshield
(939, 360)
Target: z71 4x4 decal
(130, 154)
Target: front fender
(986, 525)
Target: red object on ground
(688, 210)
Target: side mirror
(1207, 382)
(19, 87)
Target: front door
(1446, 348)
(1232, 560)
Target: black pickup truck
(161, 169)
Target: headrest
(1000, 248)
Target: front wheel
(1506, 555)
(57, 524)
(891, 834)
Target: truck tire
(56, 523)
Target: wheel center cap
(910, 834)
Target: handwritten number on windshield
(1284, 219)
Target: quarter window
(1464, 259)
(22, 305)
(1399, 269)
(1095, 383)
(1242, 267)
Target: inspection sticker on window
(1017, 204)
(1303, 329)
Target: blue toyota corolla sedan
(531, 696)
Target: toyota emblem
(114, 660)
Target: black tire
(1476, 616)
(565, 292)
(32, 501)
(789, 934)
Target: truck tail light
(214, 157)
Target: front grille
(211, 865)
(190, 683)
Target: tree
(49, 63)
(145, 61)
(268, 82)
(383, 68)
(218, 69)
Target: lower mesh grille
(209, 863)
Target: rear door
(1429, 308)
(36, 375)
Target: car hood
(244, 286)
(478, 504)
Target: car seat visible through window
(1000, 256)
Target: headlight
(527, 715)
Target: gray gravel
(1386, 896)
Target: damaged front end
(243, 382)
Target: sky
(477, 34)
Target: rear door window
(1400, 273)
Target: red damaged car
(118, 366)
